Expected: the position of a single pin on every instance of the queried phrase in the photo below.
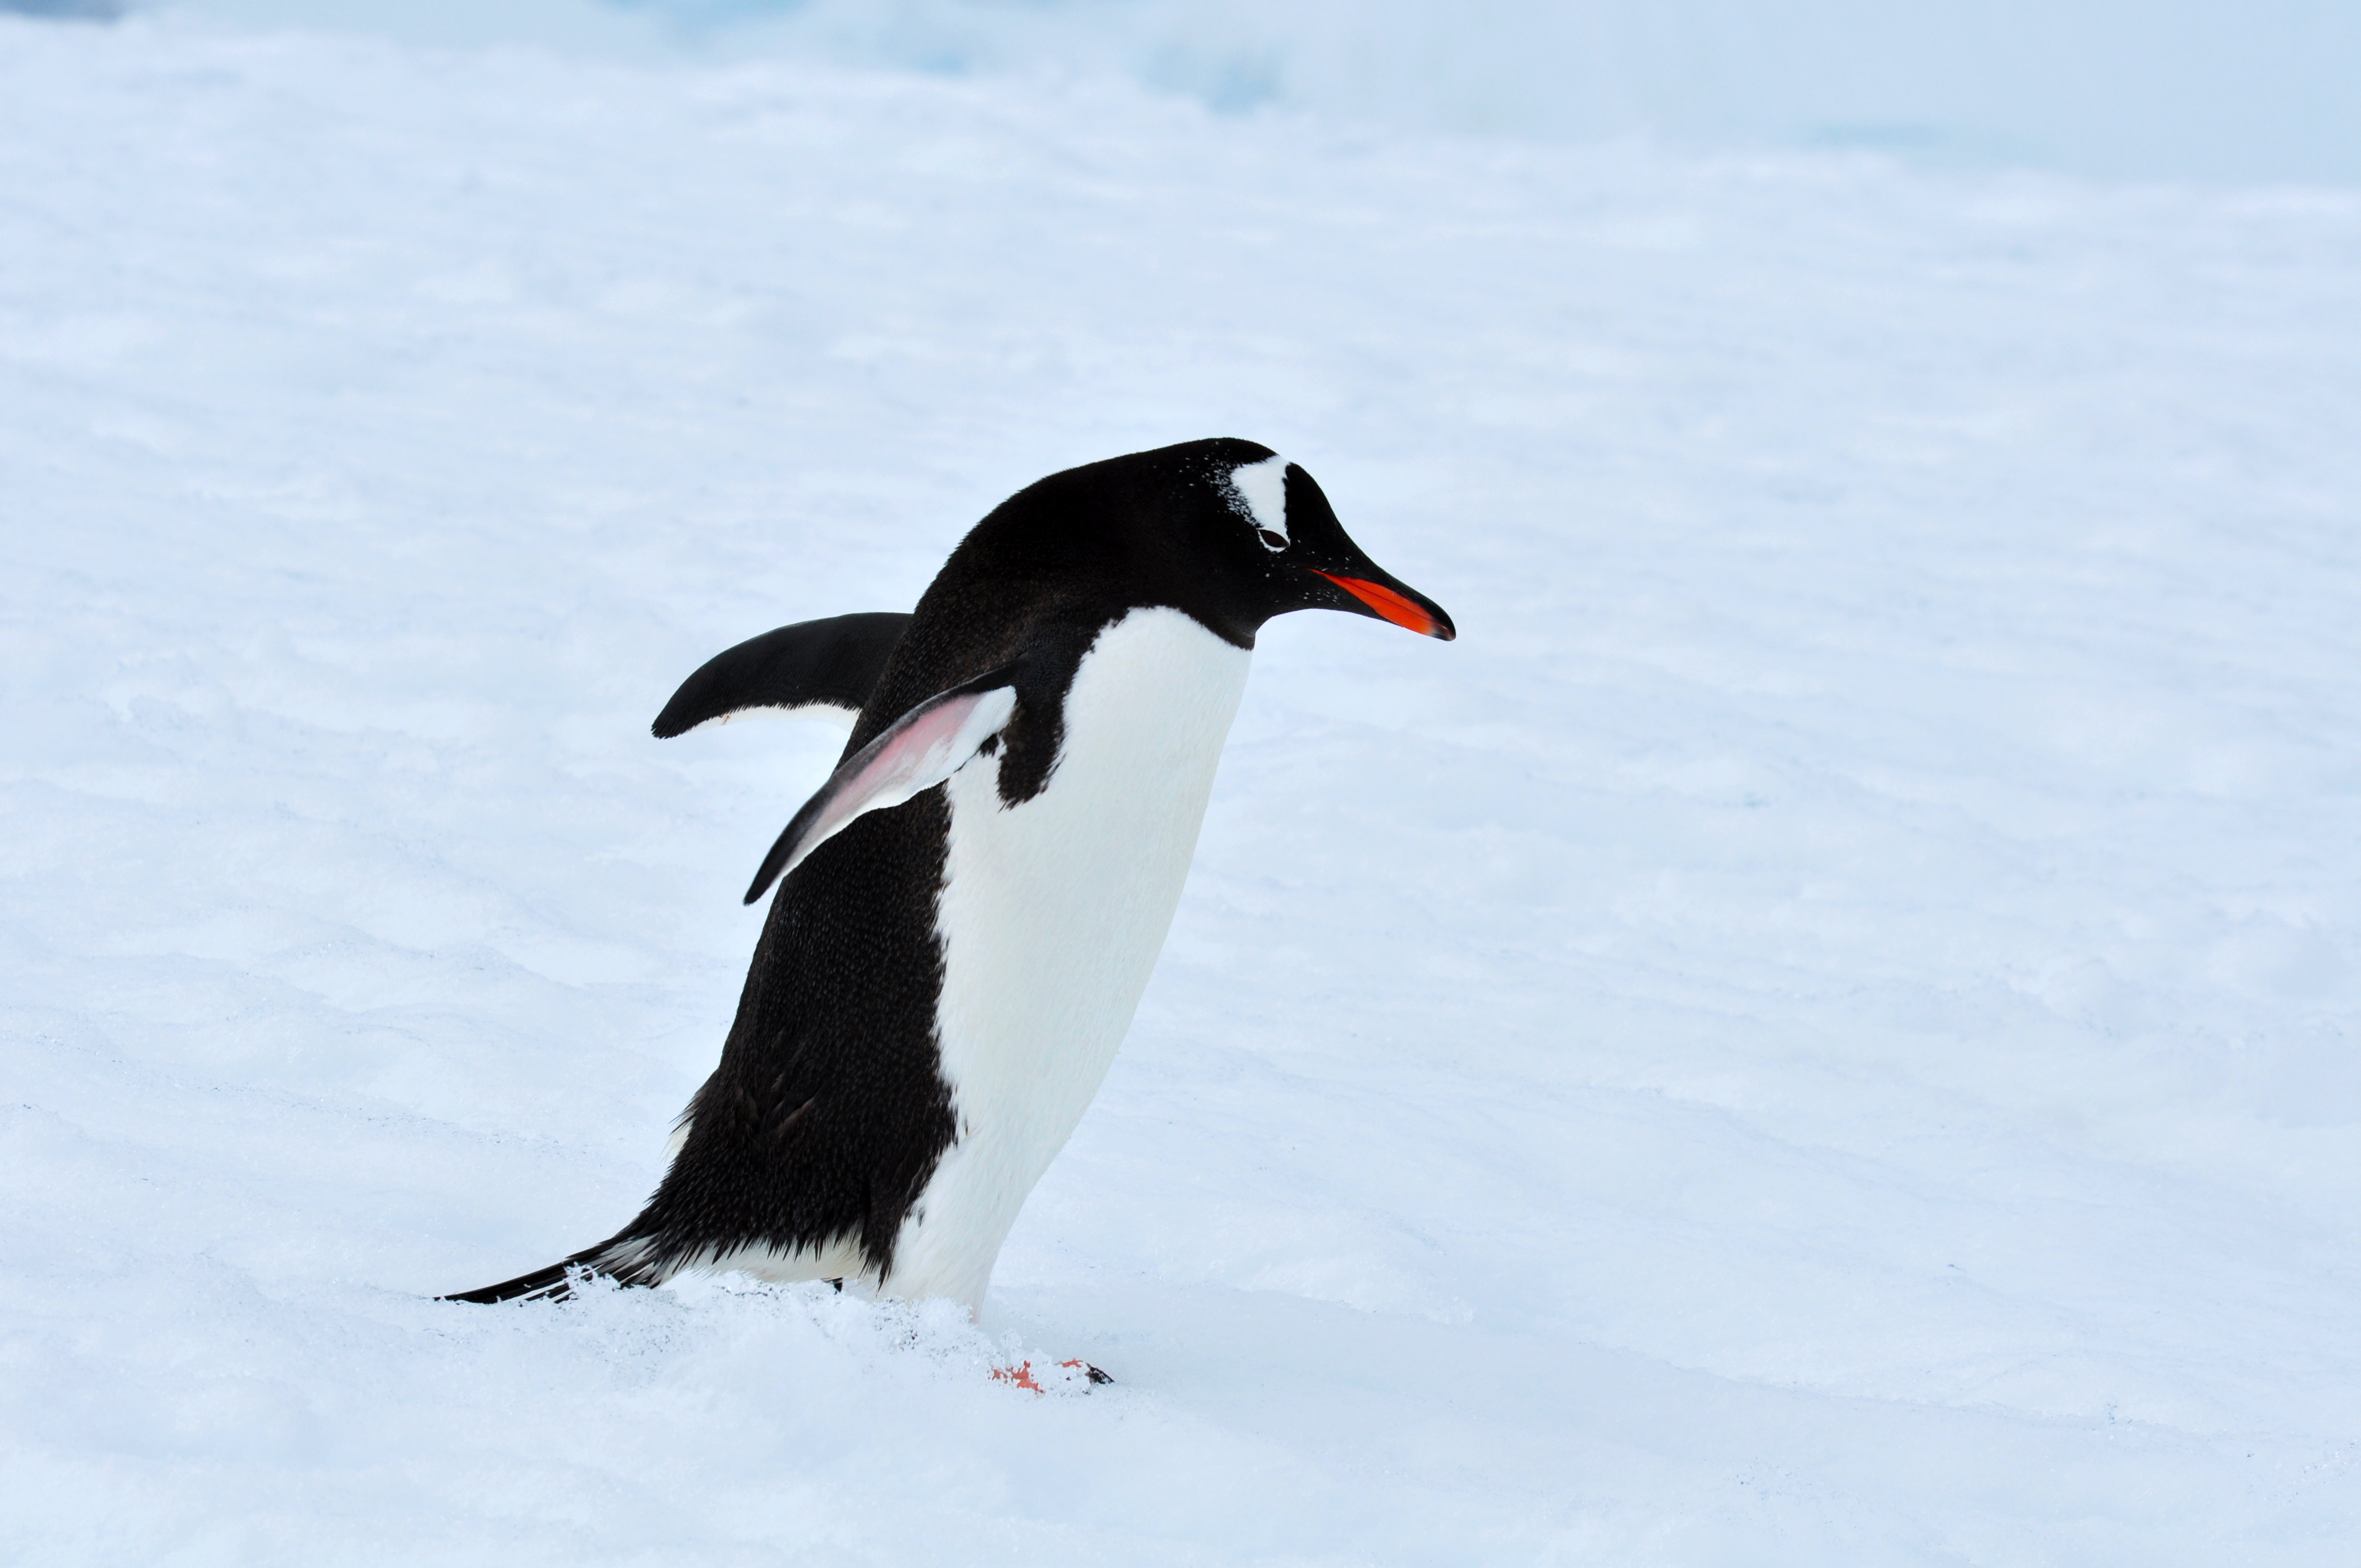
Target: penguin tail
(551, 1283)
(556, 1282)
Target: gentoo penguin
(968, 908)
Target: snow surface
(1823, 1029)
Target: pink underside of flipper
(920, 751)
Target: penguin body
(970, 909)
(1051, 918)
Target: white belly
(1052, 914)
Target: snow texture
(1823, 1029)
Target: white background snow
(1822, 1030)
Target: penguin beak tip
(1391, 605)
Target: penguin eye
(1259, 494)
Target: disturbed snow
(1822, 1029)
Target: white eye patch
(1259, 491)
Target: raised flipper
(920, 751)
(818, 667)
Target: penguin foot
(1071, 1376)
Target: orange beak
(1391, 606)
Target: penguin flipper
(918, 751)
(826, 665)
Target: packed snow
(1825, 1028)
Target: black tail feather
(554, 1283)
(549, 1284)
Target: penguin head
(1296, 555)
(1227, 530)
